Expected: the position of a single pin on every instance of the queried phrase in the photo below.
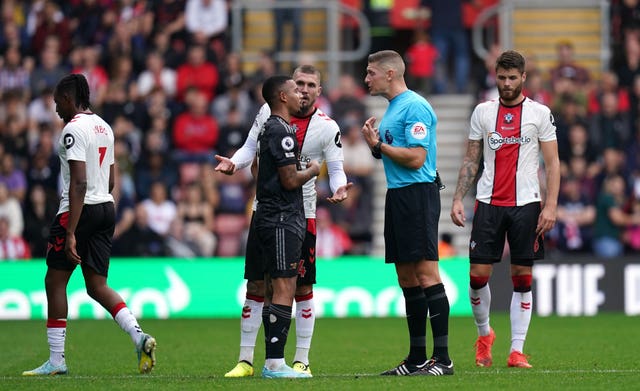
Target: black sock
(438, 304)
(279, 322)
(265, 327)
(416, 308)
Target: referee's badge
(419, 130)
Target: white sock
(56, 334)
(250, 322)
(305, 321)
(480, 306)
(521, 303)
(127, 322)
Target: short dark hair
(309, 70)
(76, 86)
(511, 59)
(272, 87)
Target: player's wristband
(376, 151)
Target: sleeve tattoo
(469, 169)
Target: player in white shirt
(509, 132)
(82, 231)
(319, 140)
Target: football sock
(250, 322)
(305, 320)
(438, 305)
(56, 334)
(279, 323)
(520, 318)
(127, 322)
(265, 326)
(480, 297)
(416, 309)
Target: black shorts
(93, 238)
(253, 268)
(280, 251)
(411, 223)
(491, 224)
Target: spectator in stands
(140, 240)
(567, 111)
(265, 68)
(235, 98)
(42, 114)
(15, 138)
(156, 75)
(12, 35)
(48, 71)
(13, 177)
(129, 41)
(51, 21)
(125, 213)
(347, 100)
(354, 213)
(421, 57)
(575, 218)
(284, 17)
(535, 89)
(39, 213)
(15, 73)
(154, 167)
(10, 209)
(231, 73)
(579, 144)
(567, 67)
(611, 219)
(44, 171)
(450, 39)
(195, 132)
(197, 73)
(610, 128)
(628, 66)
(85, 18)
(608, 83)
(169, 20)
(89, 66)
(12, 247)
(197, 217)
(206, 21)
(161, 210)
(332, 240)
(233, 131)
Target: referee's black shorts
(94, 236)
(411, 223)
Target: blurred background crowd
(163, 74)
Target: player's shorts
(411, 223)
(93, 238)
(491, 224)
(253, 268)
(280, 250)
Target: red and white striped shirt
(511, 136)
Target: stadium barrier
(348, 287)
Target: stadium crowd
(161, 73)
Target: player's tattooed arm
(291, 178)
(469, 169)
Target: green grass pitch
(595, 353)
